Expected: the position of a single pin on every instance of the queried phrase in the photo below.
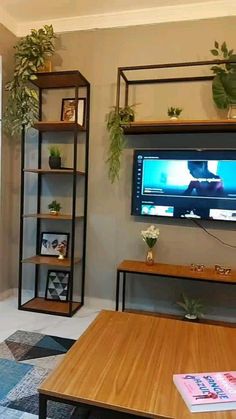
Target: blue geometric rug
(26, 358)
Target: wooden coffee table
(125, 363)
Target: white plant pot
(190, 317)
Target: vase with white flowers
(150, 237)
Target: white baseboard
(6, 294)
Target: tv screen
(185, 184)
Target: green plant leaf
(214, 52)
(216, 44)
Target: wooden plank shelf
(56, 126)
(50, 306)
(176, 271)
(50, 260)
(52, 217)
(59, 79)
(54, 171)
(165, 126)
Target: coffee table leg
(42, 406)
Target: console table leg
(117, 289)
(123, 291)
(42, 406)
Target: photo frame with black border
(57, 286)
(49, 242)
(68, 110)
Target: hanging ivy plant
(31, 53)
(116, 119)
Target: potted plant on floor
(174, 113)
(224, 82)
(32, 51)
(116, 119)
(54, 158)
(54, 207)
(192, 307)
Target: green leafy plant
(31, 53)
(116, 119)
(224, 82)
(174, 112)
(192, 307)
(54, 206)
(54, 151)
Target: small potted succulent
(193, 307)
(174, 113)
(54, 157)
(54, 207)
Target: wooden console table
(166, 270)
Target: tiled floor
(12, 319)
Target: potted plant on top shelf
(116, 119)
(174, 113)
(192, 307)
(32, 51)
(224, 82)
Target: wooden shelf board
(44, 126)
(179, 317)
(59, 79)
(50, 260)
(54, 171)
(52, 217)
(145, 127)
(176, 271)
(60, 307)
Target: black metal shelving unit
(47, 81)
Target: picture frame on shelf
(50, 243)
(68, 109)
(57, 286)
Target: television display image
(185, 184)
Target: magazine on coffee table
(207, 391)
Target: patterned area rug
(26, 358)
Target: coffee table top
(126, 362)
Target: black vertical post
(117, 289)
(123, 291)
(22, 182)
(118, 90)
(74, 188)
(85, 193)
(39, 190)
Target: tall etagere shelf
(76, 82)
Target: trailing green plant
(174, 112)
(192, 307)
(224, 82)
(54, 206)
(54, 151)
(23, 101)
(116, 119)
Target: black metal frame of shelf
(52, 81)
(122, 75)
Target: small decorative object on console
(150, 237)
(222, 270)
(197, 267)
(207, 391)
(174, 113)
(62, 250)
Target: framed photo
(57, 287)
(50, 243)
(68, 110)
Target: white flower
(152, 232)
(150, 235)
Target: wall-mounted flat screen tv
(185, 184)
